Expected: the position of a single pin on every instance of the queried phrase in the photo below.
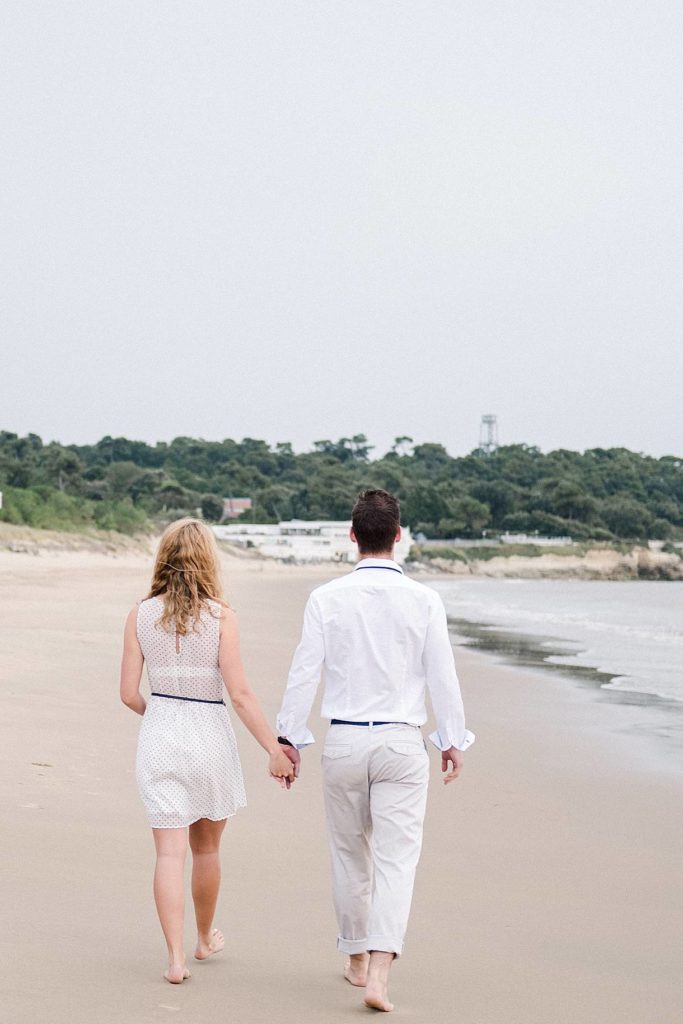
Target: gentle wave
(631, 631)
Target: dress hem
(208, 817)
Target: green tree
(120, 478)
(212, 507)
(567, 498)
(466, 517)
(402, 447)
(627, 518)
(62, 467)
(501, 497)
(432, 459)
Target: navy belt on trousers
(340, 721)
(192, 700)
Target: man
(379, 640)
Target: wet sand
(548, 891)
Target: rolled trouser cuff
(378, 943)
(385, 944)
(352, 945)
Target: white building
(300, 540)
(532, 538)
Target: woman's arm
(131, 666)
(243, 698)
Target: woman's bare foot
(376, 991)
(176, 973)
(356, 969)
(207, 947)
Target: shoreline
(532, 652)
(652, 725)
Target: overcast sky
(303, 220)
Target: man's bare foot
(376, 991)
(176, 973)
(206, 948)
(356, 969)
(378, 1000)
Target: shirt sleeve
(443, 685)
(303, 680)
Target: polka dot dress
(187, 763)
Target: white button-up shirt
(380, 640)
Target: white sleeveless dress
(187, 764)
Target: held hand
(281, 768)
(295, 757)
(456, 759)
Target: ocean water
(628, 634)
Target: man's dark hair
(376, 518)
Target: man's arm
(302, 682)
(451, 736)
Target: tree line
(124, 485)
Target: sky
(306, 220)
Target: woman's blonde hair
(187, 573)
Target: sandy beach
(549, 886)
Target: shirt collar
(378, 563)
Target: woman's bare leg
(205, 841)
(169, 895)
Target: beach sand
(549, 890)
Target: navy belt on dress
(340, 721)
(192, 700)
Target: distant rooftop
(234, 507)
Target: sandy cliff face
(595, 564)
(27, 540)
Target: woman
(188, 768)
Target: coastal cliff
(583, 562)
(27, 540)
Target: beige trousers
(375, 786)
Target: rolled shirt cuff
(446, 740)
(299, 738)
(300, 746)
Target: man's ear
(352, 536)
(398, 536)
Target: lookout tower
(488, 433)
